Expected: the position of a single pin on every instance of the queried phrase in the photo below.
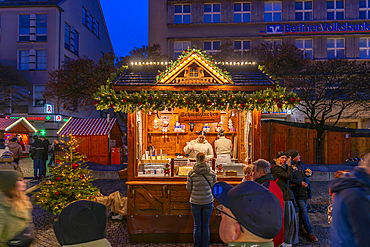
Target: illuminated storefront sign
(51, 118)
(48, 109)
(58, 118)
(304, 28)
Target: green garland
(183, 56)
(266, 100)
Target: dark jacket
(351, 215)
(197, 185)
(268, 182)
(37, 150)
(45, 144)
(284, 173)
(299, 176)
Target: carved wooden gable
(194, 69)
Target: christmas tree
(230, 125)
(70, 180)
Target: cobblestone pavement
(117, 230)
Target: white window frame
(19, 59)
(212, 13)
(336, 48)
(303, 10)
(366, 48)
(272, 11)
(242, 12)
(42, 35)
(366, 9)
(184, 45)
(335, 10)
(304, 48)
(182, 14)
(242, 48)
(34, 95)
(38, 64)
(212, 46)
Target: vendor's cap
(8, 179)
(80, 222)
(281, 153)
(292, 153)
(254, 206)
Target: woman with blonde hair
(199, 183)
(15, 206)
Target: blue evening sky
(127, 22)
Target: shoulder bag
(24, 238)
(207, 181)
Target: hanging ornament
(221, 104)
(242, 105)
(95, 103)
(169, 109)
(124, 100)
(78, 196)
(139, 104)
(150, 97)
(279, 105)
(188, 102)
(276, 100)
(74, 165)
(58, 178)
(111, 106)
(172, 101)
(57, 193)
(108, 97)
(260, 100)
(98, 98)
(48, 182)
(292, 99)
(230, 125)
(58, 161)
(299, 99)
(164, 129)
(209, 103)
(82, 176)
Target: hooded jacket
(351, 215)
(37, 150)
(204, 147)
(201, 192)
(16, 149)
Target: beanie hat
(8, 178)
(80, 222)
(292, 153)
(280, 153)
(255, 207)
(13, 140)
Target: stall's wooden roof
(87, 126)
(20, 125)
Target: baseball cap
(255, 207)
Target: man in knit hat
(82, 223)
(302, 192)
(8, 179)
(250, 214)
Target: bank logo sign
(301, 28)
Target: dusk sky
(127, 23)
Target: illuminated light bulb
(214, 71)
(227, 63)
(188, 58)
(198, 58)
(202, 61)
(223, 63)
(234, 63)
(169, 74)
(185, 62)
(151, 63)
(218, 74)
(242, 63)
(206, 64)
(225, 80)
(147, 63)
(165, 78)
(139, 63)
(222, 77)
(254, 62)
(165, 63)
(161, 63)
(210, 68)
(238, 63)
(162, 80)
(132, 63)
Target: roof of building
(87, 126)
(29, 2)
(20, 125)
(248, 75)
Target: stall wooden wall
(280, 137)
(360, 146)
(95, 148)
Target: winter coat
(97, 243)
(6, 163)
(198, 146)
(12, 222)
(282, 175)
(45, 144)
(268, 182)
(223, 146)
(197, 185)
(350, 214)
(37, 150)
(299, 176)
(16, 149)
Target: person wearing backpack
(350, 214)
(199, 183)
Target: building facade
(323, 28)
(37, 37)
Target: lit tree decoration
(70, 180)
(230, 124)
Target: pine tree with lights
(70, 180)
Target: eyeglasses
(219, 211)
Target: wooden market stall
(165, 120)
(99, 136)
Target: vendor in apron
(223, 148)
(199, 145)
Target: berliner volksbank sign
(327, 27)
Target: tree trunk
(319, 147)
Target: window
(242, 12)
(71, 39)
(242, 45)
(364, 47)
(75, 41)
(212, 13)
(66, 58)
(38, 99)
(193, 72)
(83, 16)
(182, 13)
(364, 9)
(306, 46)
(24, 27)
(335, 48)
(335, 9)
(89, 20)
(67, 36)
(96, 28)
(303, 10)
(41, 27)
(41, 60)
(179, 46)
(272, 11)
(211, 46)
(24, 60)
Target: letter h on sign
(274, 29)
